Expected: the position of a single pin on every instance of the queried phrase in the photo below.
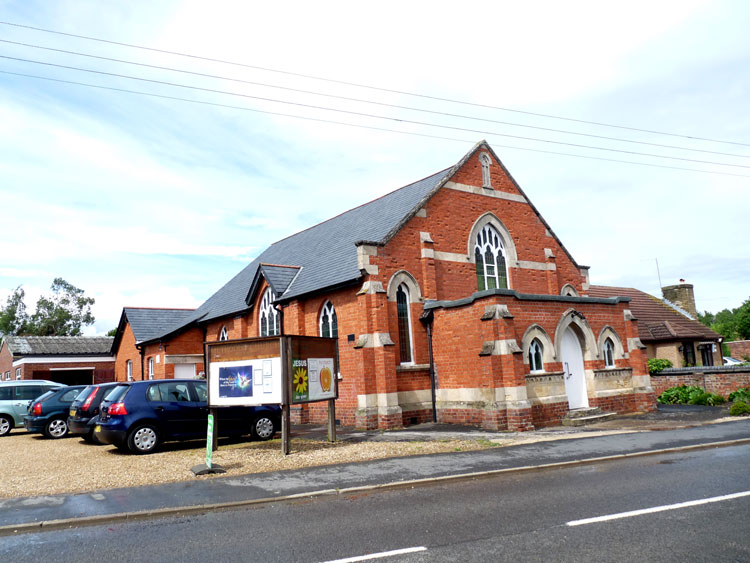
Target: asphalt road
(513, 517)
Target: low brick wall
(739, 349)
(719, 382)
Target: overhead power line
(370, 87)
(365, 101)
(368, 115)
(359, 126)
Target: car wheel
(56, 428)
(5, 424)
(143, 440)
(263, 428)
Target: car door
(23, 395)
(231, 420)
(178, 415)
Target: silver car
(15, 398)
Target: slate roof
(147, 323)
(324, 255)
(59, 345)
(657, 321)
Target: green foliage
(13, 317)
(655, 365)
(112, 332)
(689, 395)
(742, 394)
(739, 408)
(61, 314)
(731, 324)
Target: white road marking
(379, 555)
(657, 509)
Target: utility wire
(373, 116)
(364, 101)
(377, 88)
(359, 126)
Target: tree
(731, 324)
(63, 313)
(13, 317)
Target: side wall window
(609, 353)
(489, 256)
(536, 355)
(150, 368)
(268, 315)
(329, 327)
(404, 324)
(129, 369)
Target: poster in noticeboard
(313, 379)
(246, 382)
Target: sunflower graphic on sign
(299, 384)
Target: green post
(210, 440)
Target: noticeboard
(245, 373)
(312, 369)
(277, 370)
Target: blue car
(49, 413)
(140, 415)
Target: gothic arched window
(404, 324)
(268, 316)
(535, 356)
(489, 255)
(609, 353)
(329, 327)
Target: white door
(575, 377)
(183, 371)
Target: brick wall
(125, 352)
(739, 349)
(719, 383)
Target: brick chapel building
(456, 278)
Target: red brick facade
(480, 341)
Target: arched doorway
(575, 375)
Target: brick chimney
(682, 296)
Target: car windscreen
(84, 394)
(45, 396)
(117, 393)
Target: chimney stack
(682, 296)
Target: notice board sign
(312, 369)
(245, 373)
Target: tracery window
(329, 327)
(404, 324)
(223, 335)
(489, 255)
(535, 356)
(609, 353)
(268, 316)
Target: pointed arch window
(404, 324)
(536, 353)
(609, 353)
(489, 255)
(223, 335)
(329, 327)
(268, 316)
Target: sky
(150, 150)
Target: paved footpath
(112, 505)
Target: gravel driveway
(32, 465)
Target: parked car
(85, 408)
(15, 398)
(140, 415)
(49, 413)
(729, 361)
